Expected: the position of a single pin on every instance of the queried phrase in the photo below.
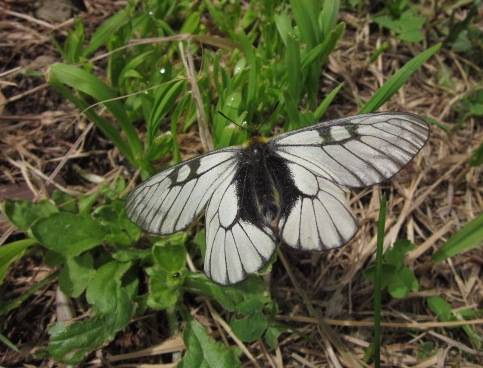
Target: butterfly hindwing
(235, 246)
(170, 200)
(357, 151)
(320, 217)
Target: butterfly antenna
(230, 120)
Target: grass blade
(469, 237)
(328, 16)
(398, 79)
(106, 31)
(321, 52)
(4, 339)
(324, 105)
(87, 83)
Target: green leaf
(68, 234)
(251, 327)
(398, 79)
(106, 31)
(324, 105)
(273, 333)
(170, 257)
(103, 288)
(396, 277)
(12, 252)
(408, 27)
(441, 308)
(396, 254)
(73, 45)
(294, 76)
(321, 51)
(305, 13)
(71, 343)
(64, 201)
(164, 289)
(284, 26)
(328, 16)
(203, 352)
(119, 230)
(76, 274)
(61, 75)
(402, 283)
(24, 213)
(469, 237)
(246, 297)
(164, 98)
(477, 156)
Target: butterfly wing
(170, 200)
(235, 245)
(358, 151)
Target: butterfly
(288, 189)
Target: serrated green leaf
(164, 290)
(103, 288)
(203, 352)
(24, 213)
(408, 27)
(250, 328)
(233, 298)
(76, 274)
(469, 237)
(272, 334)
(396, 254)
(71, 343)
(117, 226)
(402, 283)
(68, 234)
(169, 257)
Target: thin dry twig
(205, 135)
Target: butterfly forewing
(358, 151)
(171, 200)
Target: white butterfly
(287, 188)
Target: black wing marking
(235, 246)
(170, 200)
(357, 151)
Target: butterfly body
(288, 189)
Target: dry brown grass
(46, 143)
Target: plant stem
(377, 283)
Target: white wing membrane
(234, 247)
(169, 201)
(358, 151)
(319, 221)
